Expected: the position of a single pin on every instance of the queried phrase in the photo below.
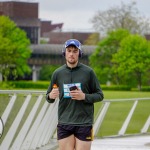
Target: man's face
(72, 54)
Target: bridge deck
(124, 143)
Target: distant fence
(30, 122)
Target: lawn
(115, 116)
(118, 111)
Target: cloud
(76, 14)
(67, 5)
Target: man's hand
(77, 94)
(54, 93)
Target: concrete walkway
(124, 143)
(115, 143)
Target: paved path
(124, 143)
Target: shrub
(30, 84)
(116, 87)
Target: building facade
(61, 37)
(25, 15)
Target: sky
(76, 14)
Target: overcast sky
(76, 14)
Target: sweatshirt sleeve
(95, 94)
(49, 90)
(47, 95)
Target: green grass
(125, 94)
(118, 111)
(116, 115)
(4, 99)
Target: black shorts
(83, 133)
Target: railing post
(100, 118)
(19, 139)
(51, 123)
(39, 134)
(34, 129)
(146, 126)
(42, 127)
(126, 123)
(8, 108)
(10, 135)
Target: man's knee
(67, 143)
(80, 145)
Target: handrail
(40, 126)
(44, 92)
(21, 91)
(126, 99)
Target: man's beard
(72, 62)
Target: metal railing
(34, 124)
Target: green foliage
(29, 85)
(93, 39)
(145, 88)
(5, 85)
(100, 60)
(46, 72)
(123, 59)
(42, 41)
(133, 58)
(44, 85)
(14, 49)
(116, 87)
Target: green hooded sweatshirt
(76, 112)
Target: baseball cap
(74, 42)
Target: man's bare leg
(82, 145)
(67, 143)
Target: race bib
(68, 87)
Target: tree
(93, 39)
(14, 49)
(100, 60)
(47, 71)
(133, 57)
(126, 17)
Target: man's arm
(96, 93)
